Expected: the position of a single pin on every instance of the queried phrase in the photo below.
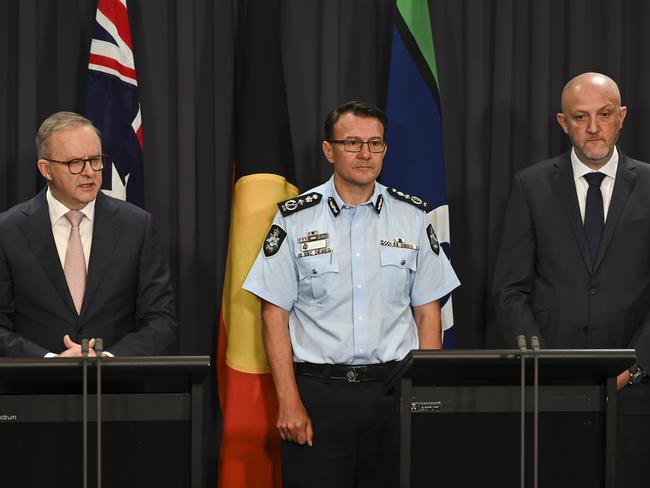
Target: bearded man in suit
(574, 263)
(76, 263)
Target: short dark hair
(59, 121)
(360, 109)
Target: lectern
(460, 412)
(151, 422)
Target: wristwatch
(636, 374)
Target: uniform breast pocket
(317, 275)
(397, 264)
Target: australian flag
(112, 101)
(415, 161)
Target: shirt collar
(58, 210)
(336, 203)
(580, 169)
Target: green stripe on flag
(416, 16)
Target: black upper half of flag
(262, 133)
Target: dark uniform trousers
(355, 437)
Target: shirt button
(360, 317)
(593, 291)
(361, 350)
(313, 271)
(358, 254)
(359, 286)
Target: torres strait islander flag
(263, 176)
(112, 102)
(415, 161)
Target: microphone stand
(534, 342)
(521, 342)
(99, 349)
(84, 364)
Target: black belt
(350, 373)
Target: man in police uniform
(350, 276)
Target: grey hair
(59, 121)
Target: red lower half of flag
(250, 443)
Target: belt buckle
(352, 376)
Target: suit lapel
(566, 190)
(37, 229)
(623, 186)
(106, 232)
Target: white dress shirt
(606, 187)
(61, 226)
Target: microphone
(521, 342)
(534, 343)
(84, 363)
(99, 349)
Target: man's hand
(622, 379)
(73, 350)
(294, 423)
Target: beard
(599, 154)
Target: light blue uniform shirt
(350, 282)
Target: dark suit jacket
(544, 284)
(128, 300)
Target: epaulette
(412, 199)
(299, 203)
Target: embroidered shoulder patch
(412, 199)
(273, 240)
(299, 203)
(433, 240)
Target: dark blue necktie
(594, 214)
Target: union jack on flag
(112, 101)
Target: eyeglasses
(76, 166)
(355, 145)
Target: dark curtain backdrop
(501, 63)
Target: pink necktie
(74, 265)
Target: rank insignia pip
(412, 199)
(273, 240)
(297, 204)
(433, 240)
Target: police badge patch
(433, 240)
(273, 240)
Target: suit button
(593, 291)
(585, 329)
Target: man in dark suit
(574, 263)
(76, 263)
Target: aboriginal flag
(263, 175)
